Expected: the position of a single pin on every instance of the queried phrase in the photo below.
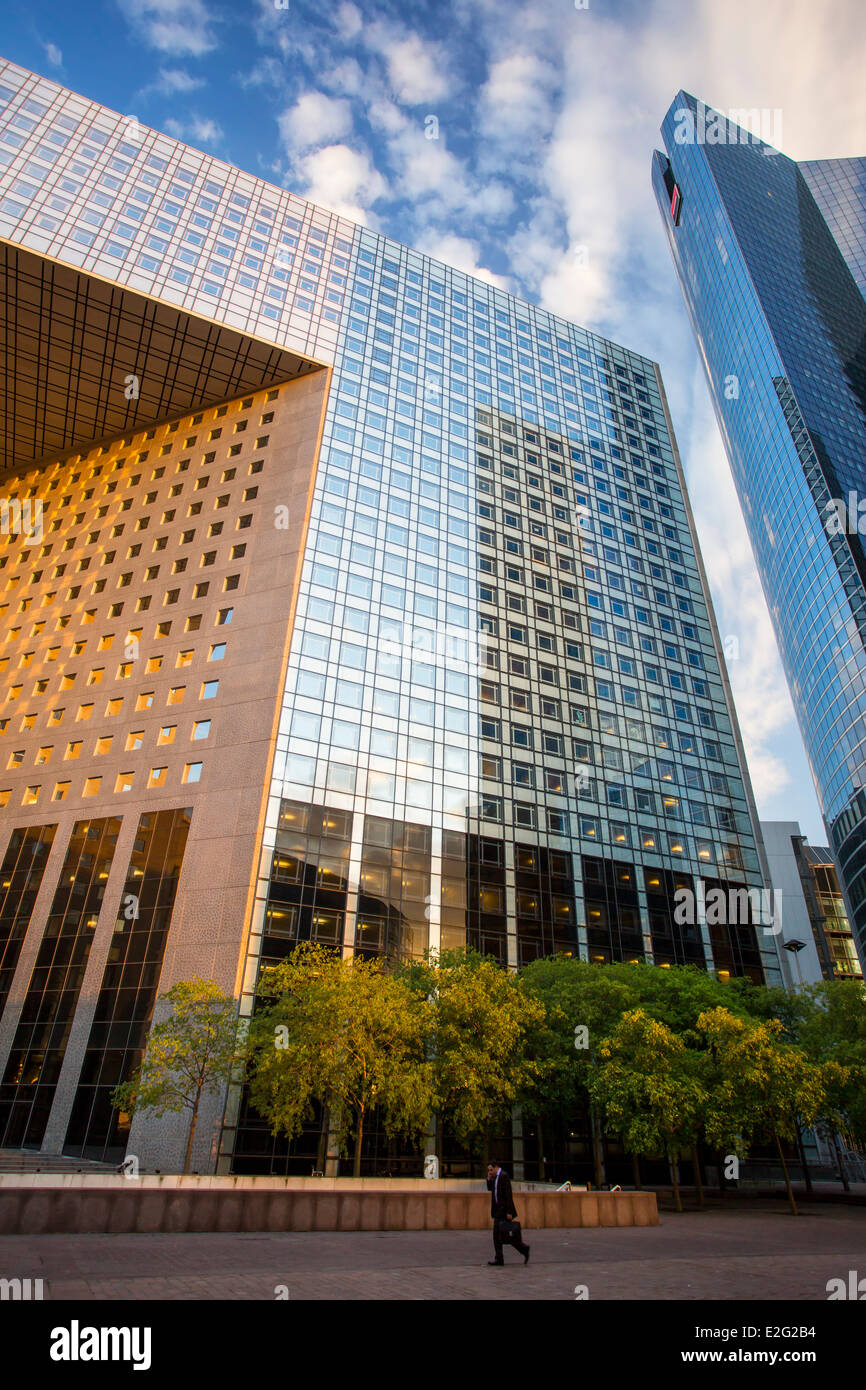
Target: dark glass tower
(771, 257)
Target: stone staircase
(30, 1161)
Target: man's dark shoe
(526, 1256)
(500, 1263)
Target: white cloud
(341, 179)
(433, 180)
(277, 29)
(174, 81)
(346, 77)
(463, 254)
(348, 20)
(386, 116)
(515, 107)
(416, 70)
(268, 72)
(53, 54)
(315, 119)
(198, 130)
(179, 27)
(206, 131)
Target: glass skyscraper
(366, 607)
(771, 259)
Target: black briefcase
(509, 1232)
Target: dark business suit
(501, 1208)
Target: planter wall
(130, 1206)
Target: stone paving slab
(762, 1253)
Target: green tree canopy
(346, 1033)
(190, 1054)
(650, 1089)
(479, 1044)
(760, 1084)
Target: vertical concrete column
(701, 911)
(64, 1096)
(332, 1154)
(511, 904)
(353, 883)
(579, 905)
(643, 909)
(33, 938)
(517, 1144)
(434, 900)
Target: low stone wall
(130, 1207)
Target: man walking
(503, 1210)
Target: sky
(513, 141)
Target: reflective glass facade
(768, 256)
(839, 188)
(504, 720)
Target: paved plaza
(758, 1251)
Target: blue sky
(514, 141)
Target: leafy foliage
(650, 1088)
(665, 1056)
(483, 1018)
(344, 1033)
(190, 1054)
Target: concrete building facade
(816, 934)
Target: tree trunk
(192, 1126)
(699, 1186)
(539, 1135)
(635, 1168)
(676, 1181)
(803, 1164)
(788, 1186)
(359, 1139)
(722, 1180)
(846, 1186)
(597, 1151)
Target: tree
(192, 1053)
(830, 1026)
(583, 1004)
(678, 995)
(346, 1033)
(650, 1089)
(760, 1084)
(482, 1020)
